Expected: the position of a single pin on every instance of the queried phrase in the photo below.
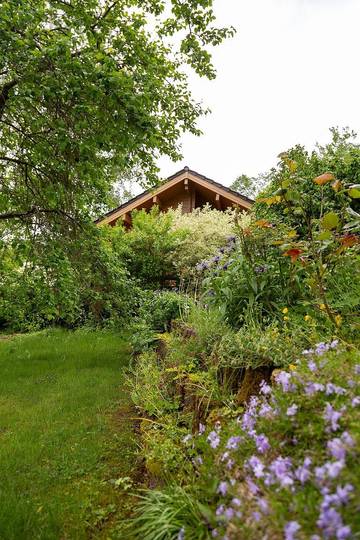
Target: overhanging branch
(4, 94)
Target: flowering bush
(206, 231)
(287, 467)
(249, 276)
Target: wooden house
(186, 187)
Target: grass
(65, 439)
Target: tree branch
(13, 160)
(36, 210)
(4, 94)
(104, 15)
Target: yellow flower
(286, 318)
(292, 367)
(307, 318)
(322, 307)
(285, 310)
(338, 320)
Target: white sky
(291, 72)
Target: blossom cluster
(288, 460)
(219, 259)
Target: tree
(89, 88)
(249, 185)
(295, 173)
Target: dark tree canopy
(91, 88)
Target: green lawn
(65, 435)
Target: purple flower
(233, 442)
(302, 473)
(231, 239)
(257, 466)
(347, 438)
(181, 535)
(290, 530)
(236, 502)
(214, 533)
(198, 460)
(230, 463)
(312, 366)
(202, 428)
(213, 439)
(280, 467)
(343, 532)
(222, 488)
(336, 448)
(254, 401)
(256, 516)
(333, 389)
(265, 388)
(311, 388)
(334, 468)
(291, 411)
(252, 486)
(331, 523)
(342, 493)
(332, 417)
(321, 348)
(262, 443)
(355, 402)
(265, 410)
(330, 469)
(284, 378)
(357, 369)
(248, 421)
(229, 513)
(220, 510)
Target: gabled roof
(233, 197)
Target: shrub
(250, 277)
(68, 283)
(295, 173)
(253, 346)
(159, 308)
(147, 248)
(287, 466)
(206, 230)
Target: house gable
(186, 187)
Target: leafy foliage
(259, 450)
(91, 89)
(292, 182)
(51, 282)
(148, 246)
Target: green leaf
(354, 193)
(330, 221)
(325, 235)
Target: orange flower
(324, 179)
(263, 223)
(293, 253)
(349, 240)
